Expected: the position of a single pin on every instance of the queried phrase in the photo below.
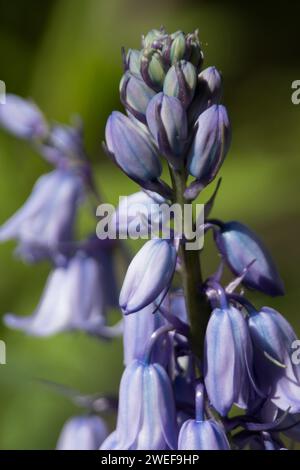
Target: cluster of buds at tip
(175, 104)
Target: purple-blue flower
(85, 432)
(228, 358)
(241, 247)
(167, 121)
(135, 95)
(210, 144)
(22, 118)
(149, 274)
(146, 414)
(201, 433)
(208, 92)
(73, 299)
(64, 145)
(45, 223)
(278, 376)
(127, 142)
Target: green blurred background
(66, 55)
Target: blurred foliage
(66, 55)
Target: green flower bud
(152, 36)
(195, 52)
(152, 69)
(178, 47)
(181, 81)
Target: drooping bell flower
(73, 299)
(135, 95)
(146, 414)
(85, 432)
(210, 144)
(273, 339)
(167, 122)
(240, 247)
(45, 223)
(228, 359)
(201, 433)
(22, 118)
(181, 81)
(132, 148)
(149, 274)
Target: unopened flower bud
(210, 144)
(132, 148)
(167, 121)
(195, 53)
(152, 69)
(133, 61)
(209, 91)
(178, 47)
(153, 36)
(149, 273)
(181, 81)
(135, 95)
(241, 247)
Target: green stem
(196, 302)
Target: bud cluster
(173, 112)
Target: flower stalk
(196, 303)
